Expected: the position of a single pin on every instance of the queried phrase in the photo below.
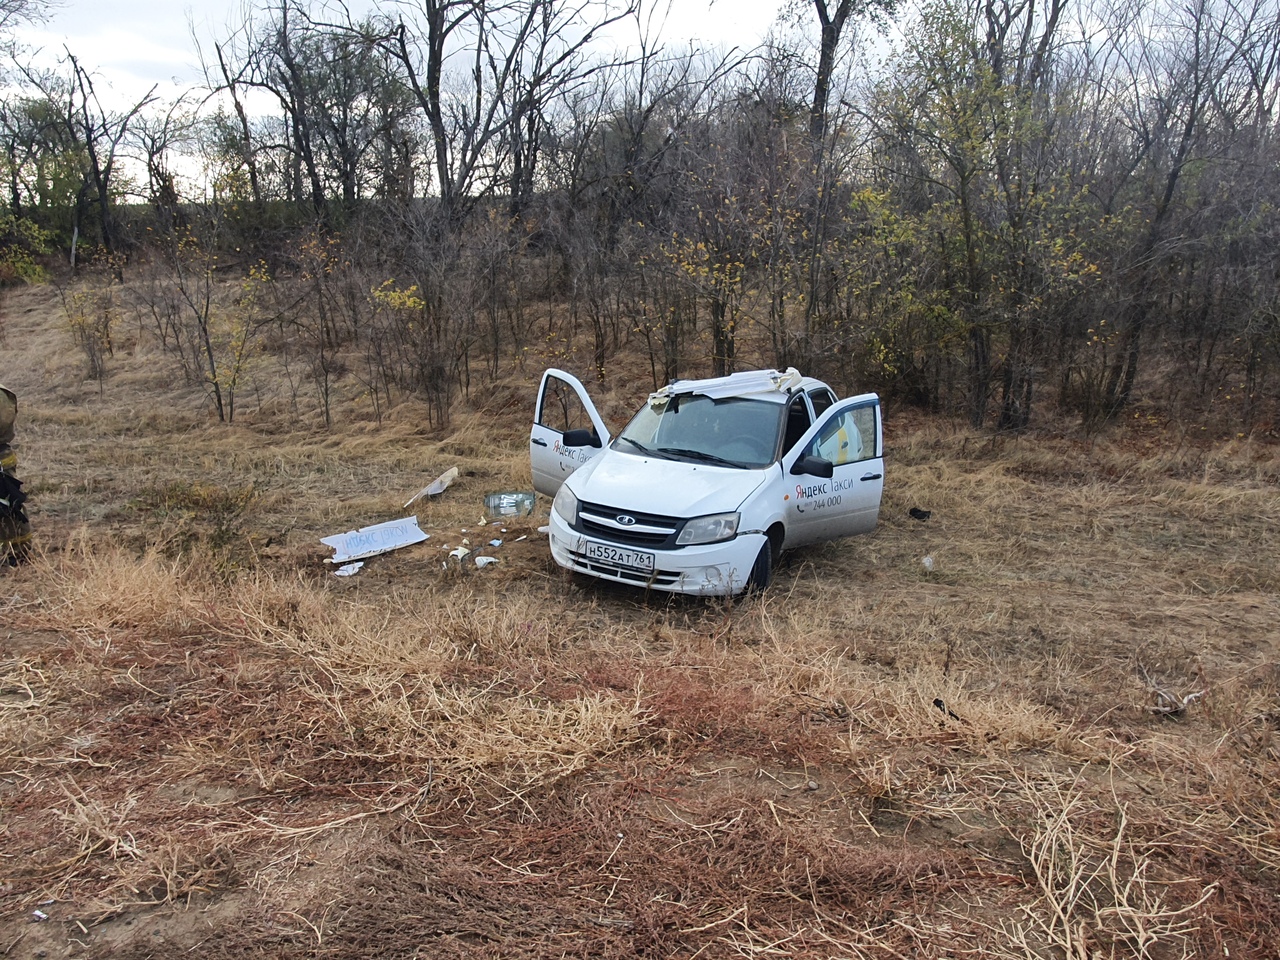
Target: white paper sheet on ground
(436, 486)
(371, 541)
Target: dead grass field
(211, 746)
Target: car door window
(562, 408)
(821, 398)
(847, 438)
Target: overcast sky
(133, 44)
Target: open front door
(567, 431)
(850, 437)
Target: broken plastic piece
(483, 562)
(436, 486)
(371, 541)
(523, 536)
(349, 569)
(495, 543)
(459, 553)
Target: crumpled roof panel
(746, 383)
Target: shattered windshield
(733, 432)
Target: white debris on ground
(371, 541)
(436, 487)
(351, 548)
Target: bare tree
(156, 137)
(13, 12)
(1178, 68)
(517, 54)
(86, 129)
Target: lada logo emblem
(625, 520)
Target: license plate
(635, 559)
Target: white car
(709, 482)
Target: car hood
(670, 488)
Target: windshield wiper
(643, 449)
(702, 455)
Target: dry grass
(208, 743)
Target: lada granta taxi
(709, 482)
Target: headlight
(566, 505)
(712, 529)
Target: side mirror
(814, 467)
(581, 438)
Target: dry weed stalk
(1168, 704)
(23, 686)
(1098, 897)
(97, 828)
(826, 935)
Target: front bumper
(713, 569)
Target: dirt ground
(1059, 741)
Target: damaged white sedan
(709, 482)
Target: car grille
(648, 529)
(585, 564)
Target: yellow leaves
(407, 299)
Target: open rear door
(850, 436)
(567, 431)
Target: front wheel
(762, 569)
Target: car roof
(772, 385)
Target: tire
(762, 570)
